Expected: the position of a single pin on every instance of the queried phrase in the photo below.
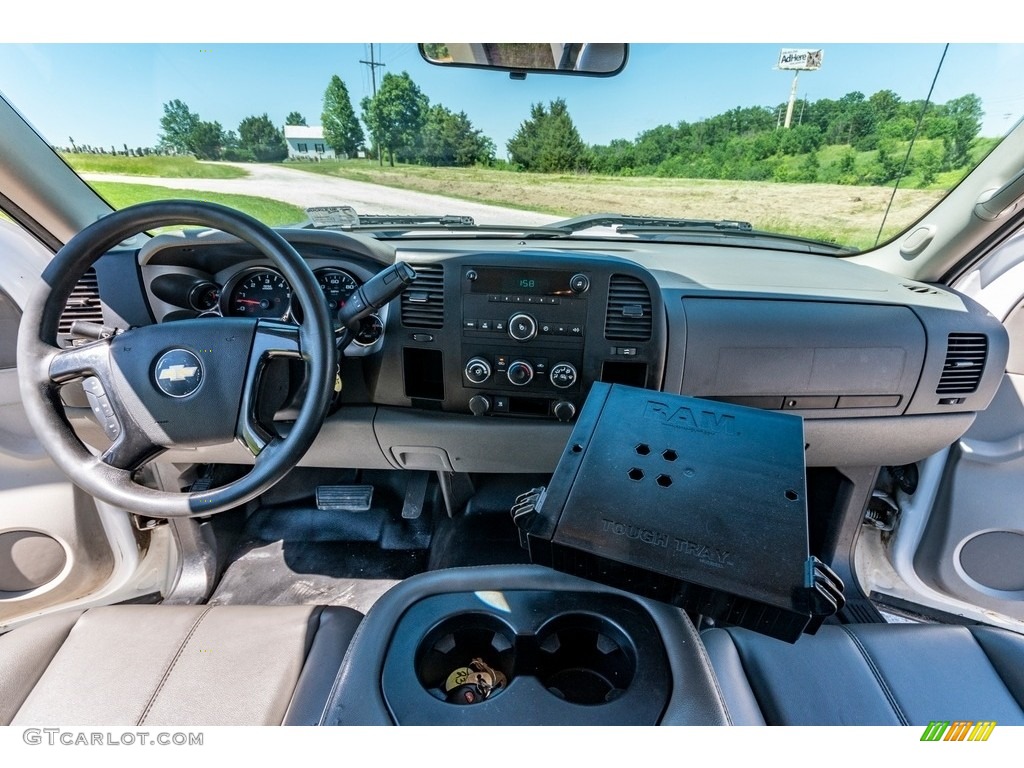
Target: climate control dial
(520, 373)
(563, 375)
(478, 370)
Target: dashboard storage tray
(693, 502)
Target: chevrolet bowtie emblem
(178, 372)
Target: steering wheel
(182, 384)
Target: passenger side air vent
(83, 304)
(629, 310)
(423, 302)
(965, 362)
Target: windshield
(846, 145)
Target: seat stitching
(709, 669)
(878, 676)
(995, 669)
(170, 667)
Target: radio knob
(564, 410)
(579, 283)
(522, 327)
(478, 370)
(563, 375)
(480, 405)
(520, 373)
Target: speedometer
(337, 285)
(259, 293)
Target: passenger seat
(155, 665)
(871, 674)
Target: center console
(525, 336)
(569, 652)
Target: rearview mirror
(518, 59)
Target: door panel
(57, 547)
(973, 545)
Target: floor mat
(314, 572)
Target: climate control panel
(520, 371)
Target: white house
(307, 142)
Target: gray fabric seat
(154, 665)
(871, 674)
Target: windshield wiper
(701, 230)
(622, 220)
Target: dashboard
(485, 360)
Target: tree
(177, 126)
(964, 122)
(930, 163)
(524, 147)
(206, 140)
(395, 116)
(260, 137)
(449, 138)
(548, 141)
(808, 171)
(295, 118)
(341, 127)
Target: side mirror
(519, 59)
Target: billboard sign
(804, 59)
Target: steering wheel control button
(563, 375)
(478, 370)
(101, 408)
(579, 283)
(522, 327)
(520, 373)
(178, 373)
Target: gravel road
(310, 189)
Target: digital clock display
(536, 282)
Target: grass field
(157, 166)
(272, 212)
(844, 214)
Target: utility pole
(792, 100)
(373, 64)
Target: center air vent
(423, 302)
(83, 304)
(965, 362)
(629, 310)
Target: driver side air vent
(629, 310)
(423, 302)
(965, 362)
(83, 304)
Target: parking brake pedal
(344, 498)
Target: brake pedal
(344, 498)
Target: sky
(101, 87)
(113, 94)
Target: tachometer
(259, 293)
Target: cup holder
(448, 661)
(584, 659)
